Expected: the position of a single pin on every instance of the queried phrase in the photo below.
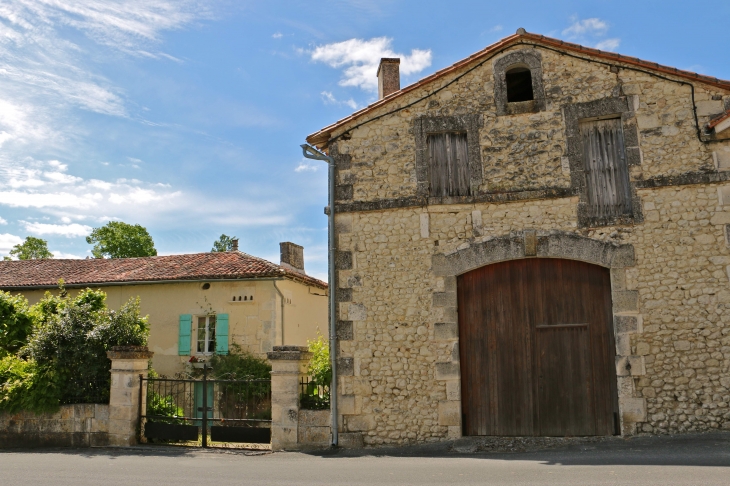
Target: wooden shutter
(183, 342)
(606, 171)
(221, 334)
(448, 164)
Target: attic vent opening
(519, 85)
(205, 286)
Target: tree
(121, 240)
(31, 249)
(224, 243)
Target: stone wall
(398, 350)
(83, 425)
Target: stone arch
(544, 244)
(528, 58)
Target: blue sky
(186, 116)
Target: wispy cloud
(8, 241)
(496, 28)
(591, 32)
(67, 256)
(359, 58)
(67, 230)
(306, 167)
(3, 221)
(277, 35)
(329, 99)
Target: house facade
(198, 304)
(533, 241)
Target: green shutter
(221, 334)
(183, 342)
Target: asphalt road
(683, 460)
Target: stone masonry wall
(83, 425)
(398, 353)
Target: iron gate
(201, 412)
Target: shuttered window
(184, 331)
(606, 171)
(448, 164)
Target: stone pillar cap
(289, 352)
(129, 352)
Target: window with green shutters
(203, 335)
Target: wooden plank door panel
(510, 315)
(565, 401)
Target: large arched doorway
(537, 349)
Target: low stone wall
(314, 428)
(82, 425)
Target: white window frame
(207, 340)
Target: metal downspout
(282, 310)
(312, 153)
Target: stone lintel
(129, 353)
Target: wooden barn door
(537, 349)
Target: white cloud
(277, 35)
(68, 256)
(590, 32)
(608, 44)
(496, 28)
(359, 60)
(306, 167)
(67, 230)
(8, 241)
(43, 73)
(329, 99)
(3, 221)
(592, 26)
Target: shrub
(16, 323)
(26, 386)
(64, 359)
(239, 365)
(316, 396)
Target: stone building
(533, 241)
(198, 304)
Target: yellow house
(198, 304)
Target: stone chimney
(388, 76)
(292, 256)
(234, 244)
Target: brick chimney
(292, 256)
(234, 244)
(388, 76)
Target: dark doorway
(537, 349)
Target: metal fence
(205, 412)
(313, 396)
(79, 390)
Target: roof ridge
(321, 137)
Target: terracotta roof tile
(195, 266)
(321, 137)
(719, 120)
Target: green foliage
(320, 366)
(224, 243)
(15, 323)
(31, 249)
(64, 357)
(24, 385)
(163, 409)
(121, 240)
(316, 396)
(238, 365)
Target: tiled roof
(196, 266)
(714, 123)
(321, 137)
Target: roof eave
(322, 137)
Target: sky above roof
(186, 116)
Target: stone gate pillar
(288, 366)
(128, 362)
